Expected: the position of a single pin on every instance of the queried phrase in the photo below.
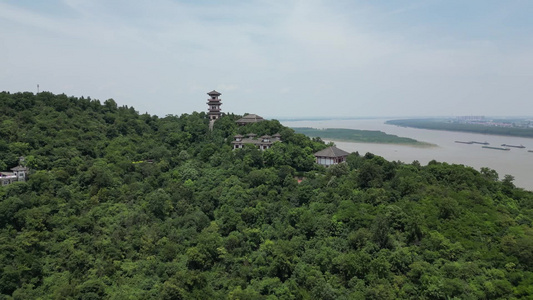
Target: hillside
(121, 205)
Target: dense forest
(122, 205)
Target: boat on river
(496, 148)
(514, 146)
(472, 142)
(461, 142)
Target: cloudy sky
(286, 58)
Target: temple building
(213, 105)
(19, 174)
(248, 119)
(263, 143)
(331, 156)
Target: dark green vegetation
(354, 135)
(443, 124)
(97, 220)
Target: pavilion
(331, 156)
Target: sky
(282, 59)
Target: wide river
(516, 162)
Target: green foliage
(127, 206)
(355, 135)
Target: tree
(489, 174)
(370, 175)
(159, 203)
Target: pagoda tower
(213, 109)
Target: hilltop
(122, 205)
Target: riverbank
(516, 162)
(446, 125)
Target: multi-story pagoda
(213, 109)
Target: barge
(472, 142)
(496, 148)
(514, 146)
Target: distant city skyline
(283, 59)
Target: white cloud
(163, 56)
(285, 90)
(227, 87)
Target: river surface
(516, 162)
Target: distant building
(470, 118)
(330, 156)
(213, 105)
(19, 173)
(249, 119)
(7, 178)
(263, 143)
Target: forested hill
(127, 206)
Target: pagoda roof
(238, 136)
(332, 152)
(266, 136)
(251, 141)
(19, 168)
(276, 135)
(214, 93)
(251, 118)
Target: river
(516, 162)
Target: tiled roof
(7, 175)
(332, 152)
(251, 141)
(19, 168)
(251, 118)
(214, 93)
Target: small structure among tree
(263, 143)
(20, 173)
(213, 103)
(249, 119)
(331, 156)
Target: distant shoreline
(417, 145)
(330, 119)
(392, 118)
(440, 124)
(359, 136)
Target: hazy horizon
(386, 117)
(276, 58)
